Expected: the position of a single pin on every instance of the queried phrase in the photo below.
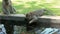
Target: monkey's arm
(35, 18)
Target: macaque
(7, 7)
(33, 17)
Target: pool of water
(21, 29)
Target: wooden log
(54, 21)
(15, 17)
(20, 17)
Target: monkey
(33, 17)
(6, 2)
(7, 7)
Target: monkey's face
(6, 2)
(29, 16)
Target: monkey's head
(29, 15)
(6, 1)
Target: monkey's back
(35, 13)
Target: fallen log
(54, 21)
(15, 17)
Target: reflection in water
(49, 31)
(2, 29)
(22, 30)
(19, 29)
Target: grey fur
(33, 16)
(7, 7)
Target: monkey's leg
(12, 10)
(5, 10)
(33, 20)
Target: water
(49, 31)
(22, 30)
(3, 28)
(19, 29)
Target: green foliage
(0, 6)
(23, 7)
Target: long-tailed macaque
(32, 17)
(7, 7)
